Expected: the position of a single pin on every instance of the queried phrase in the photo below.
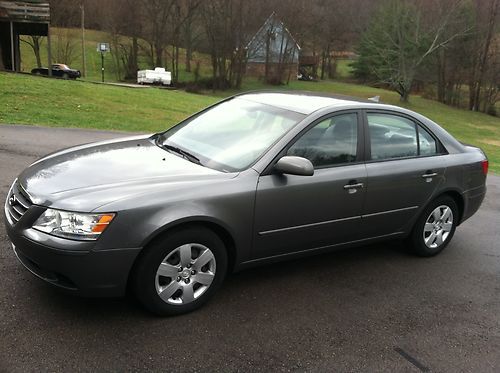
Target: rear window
(392, 136)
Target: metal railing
(25, 11)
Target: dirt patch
(491, 142)
(480, 126)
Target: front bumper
(71, 265)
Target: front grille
(18, 202)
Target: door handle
(429, 174)
(353, 186)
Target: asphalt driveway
(369, 309)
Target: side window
(427, 143)
(330, 142)
(392, 136)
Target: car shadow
(340, 267)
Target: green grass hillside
(54, 102)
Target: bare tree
(35, 43)
(190, 30)
(218, 18)
(157, 16)
(400, 40)
(181, 15)
(482, 56)
(64, 13)
(66, 46)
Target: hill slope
(53, 102)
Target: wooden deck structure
(26, 17)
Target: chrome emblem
(12, 200)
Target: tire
(183, 284)
(435, 227)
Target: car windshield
(232, 135)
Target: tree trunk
(2, 67)
(134, 66)
(472, 95)
(214, 70)
(151, 55)
(36, 50)
(323, 64)
(266, 67)
(159, 55)
(329, 66)
(404, 89)
(441, 83)
(315, 65)
(484, 55)
(189, 42)
(175, 64)
(130, 63)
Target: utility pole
(84, 60)
(102, 65)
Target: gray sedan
(256, 178)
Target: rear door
(404, 167)
(298, 213)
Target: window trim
(360, 156)
(440, 149)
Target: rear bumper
(472, 201)
(79, 269)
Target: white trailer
(156, 76)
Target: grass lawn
(53, 102)
(344, 69)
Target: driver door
(300, 213)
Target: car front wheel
(181, 271)
(435, 227)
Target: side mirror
(295, 166)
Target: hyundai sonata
(256, 178)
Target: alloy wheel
(438, 226)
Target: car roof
(300, 101)
(307, 103)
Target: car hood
(88, 176)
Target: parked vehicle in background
(59, 70)
(256, 178)
(156, 76)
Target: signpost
(103, 48)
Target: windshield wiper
(187, 155)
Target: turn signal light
(102, 224)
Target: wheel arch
(459, 200)
(219, 229)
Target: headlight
(77, 226)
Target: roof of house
(256, 47)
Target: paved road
(370, 309)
